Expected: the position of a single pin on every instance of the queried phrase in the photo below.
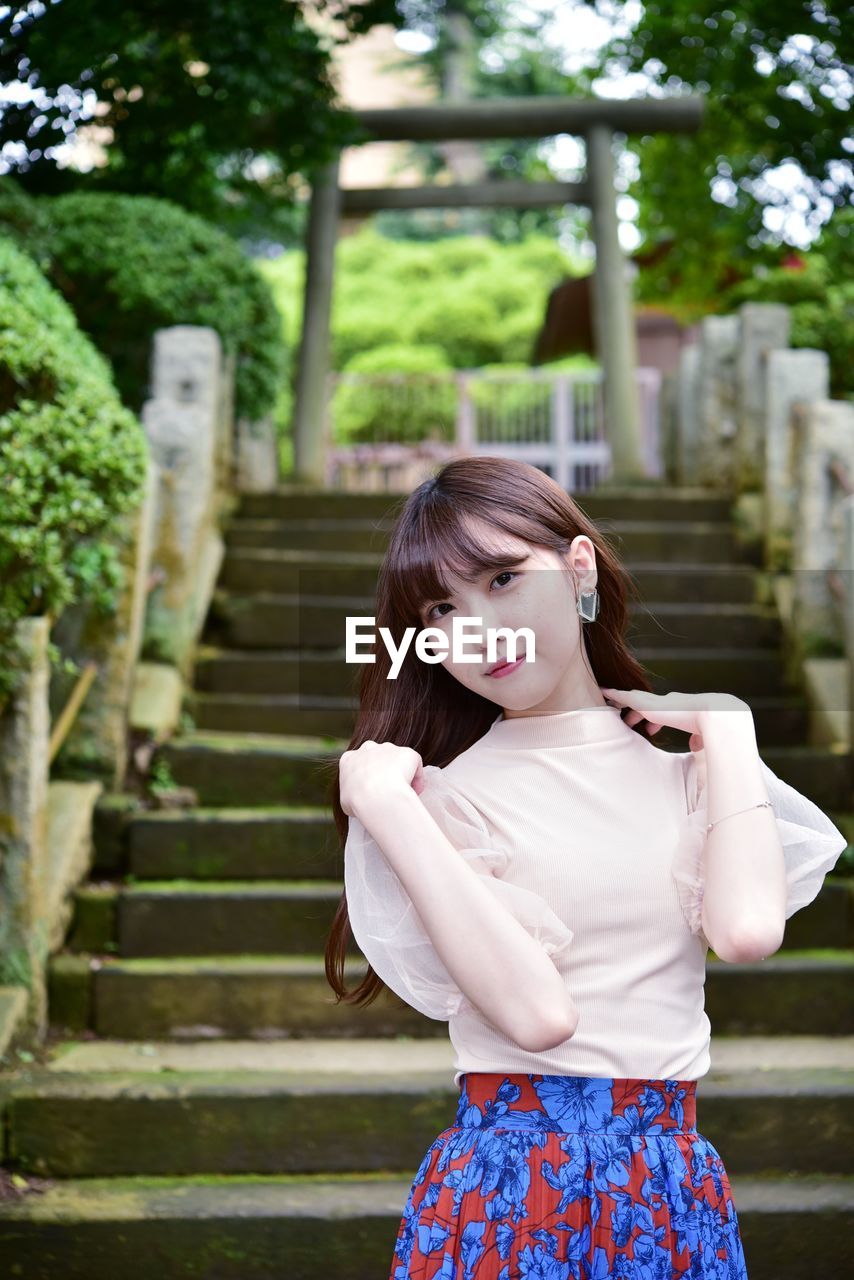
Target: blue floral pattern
(554, 1177)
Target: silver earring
(588, 605)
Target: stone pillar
(716, 401)
(257, 455)
(313, 358)
(613, 315)
(687, 441)
(764, 327)
(96, 744)
(226, 447)
(182, 420)
(846, 568)
(824, 430)
(24, 736)
(793, 377)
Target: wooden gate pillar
(313, 358)
(613, 314)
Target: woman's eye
(505, 573)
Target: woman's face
(538, 594)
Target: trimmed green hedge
(821, 297)
(128, 265)
(72, 458)
(477, 301)
(406, 404)
(375, 411)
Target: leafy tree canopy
(777, 83)
(214, 104)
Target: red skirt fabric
(556, 1177)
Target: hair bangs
(436, 549)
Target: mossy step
(181, 917)
(677, 540)
(656, 502)
(267, 620)
(64, 1124)
(279, 713)
(338, 1228)
(197, 918)
(807, 992)
(323, 673)
(213, 843)
(781, 720)
(759, 1056)
(264, 995)
(256, 768)
(301, 842)
(354, 573)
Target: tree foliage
(776, 80)
(72, 459)
(213, 104)
(128, 265)
(475, 301)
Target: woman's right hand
(372, 772)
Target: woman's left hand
(688, 711)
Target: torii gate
(596, 119)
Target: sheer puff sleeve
(811, 842)
(388, 929)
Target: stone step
(284, 917)
(181, 1122)
(271, 621)
(254, 768)
(272, 843)
(783, 720)
(340, 1227)
(635, 502)
(201, 918)
(353, 573)
(324, 673)
(647, 539)
(241, 844)
(405, 1056)
(263, 769)
(270, 996)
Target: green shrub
(386, 410)
(72, 458)
(465, 326)
(821, 299)
(480, 301)
(128, 265)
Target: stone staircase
(204, 1110)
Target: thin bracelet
(762, 804)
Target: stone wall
(750, 415)
(171, 549)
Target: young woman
(526, 864)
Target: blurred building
(373, 71)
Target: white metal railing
(388, 431)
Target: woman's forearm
(745, 877)
(489, 954)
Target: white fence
(388, 431)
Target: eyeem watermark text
(436, 639)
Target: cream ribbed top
(593, 837)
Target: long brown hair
(426, 708)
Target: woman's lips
(505, 670)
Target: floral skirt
(558, 1177)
